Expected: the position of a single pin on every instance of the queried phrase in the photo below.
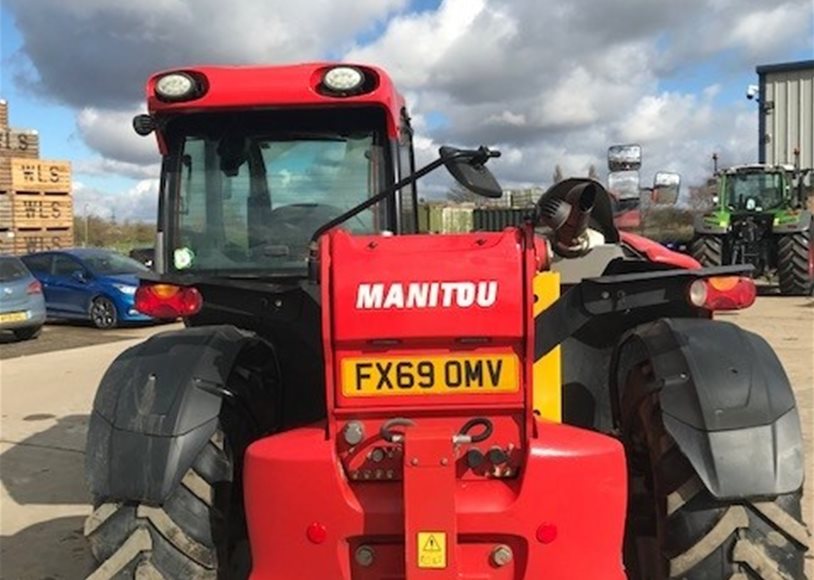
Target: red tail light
(723, 293)
(34, 288)
(168, 300)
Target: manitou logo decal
(426, 295)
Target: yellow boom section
(547, 375)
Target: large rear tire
(708, 250)
(795, 263)
(189, 536)
(677, 529)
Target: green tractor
(760, 218)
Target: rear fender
(725, 400)
(157, 406)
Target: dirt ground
(46, 392)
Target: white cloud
(557, 84)
(138, 203)
(771, 28)
(111, 134)
(100, 52)
(546, 81)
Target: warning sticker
(432, 549)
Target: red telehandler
(353, 399)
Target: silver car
(22, 306)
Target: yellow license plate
(430, 375)
(13, 316)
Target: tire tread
(139, 542)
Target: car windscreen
(12, 269)
(111, 264)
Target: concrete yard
(46, 391)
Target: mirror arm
(375, 199)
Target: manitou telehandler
(353, 399)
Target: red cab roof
(277, 86)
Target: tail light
(722, 293)
(168, 300)
(34, 288)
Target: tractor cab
(247, 179)
(755, 189)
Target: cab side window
(406, 164)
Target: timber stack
(36, 205)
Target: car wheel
(27, 333)
(103, 313)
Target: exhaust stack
(568, 219)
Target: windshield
(111, 264)
(250, 195)
(754, 191)
(12, 269)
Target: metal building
(786, 121)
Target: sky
(547, 82)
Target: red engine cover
(443, 287)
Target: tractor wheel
(677, 529)
(189, 536)
(795, 263)
(708, 250)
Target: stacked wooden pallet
(36, 205)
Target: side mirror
(624, 184)
(666, 187)
(80, 276)
(624, 157)
(143, 125)
(472, 172)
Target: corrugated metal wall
(497, 219)
(790, 123)
(440, 219)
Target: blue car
(22, 308)
(88, 284)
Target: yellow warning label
(432, 550)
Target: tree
(700, 198)
(557, 177)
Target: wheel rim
(103, 313)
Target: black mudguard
(802, 224)
(725, 400)
(155, 409)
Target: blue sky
(505, 73)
